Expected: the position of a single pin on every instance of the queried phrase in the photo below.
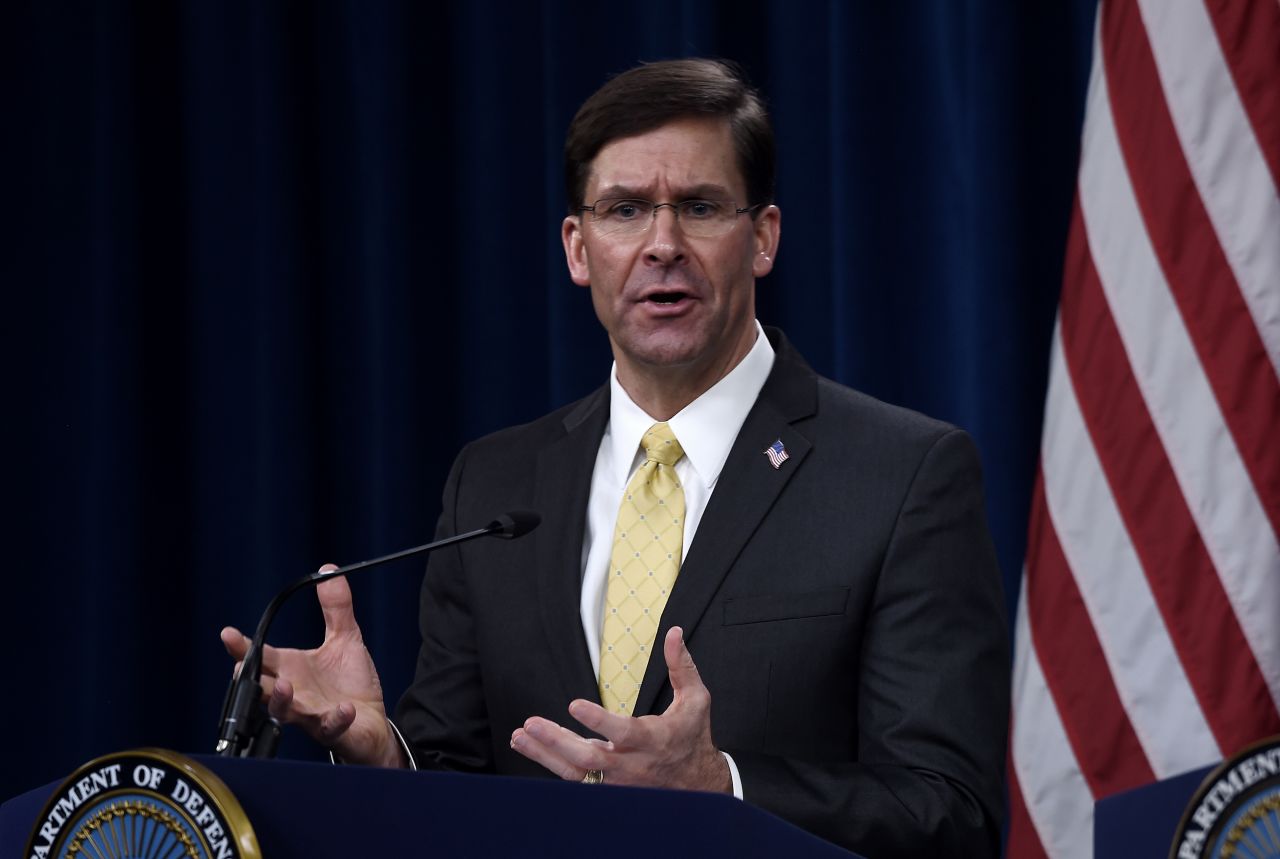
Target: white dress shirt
(706, 430)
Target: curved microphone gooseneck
(247, 730)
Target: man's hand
(333, 692)
(672, 750)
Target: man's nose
(665, 238)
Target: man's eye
(625, 211)
(699, 209)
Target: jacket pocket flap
(785, 606)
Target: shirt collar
(706, 428)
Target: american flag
(1147, 639)
(777, 454)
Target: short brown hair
(651, 95)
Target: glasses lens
(707, 218)
(622, 216)
(698, 218)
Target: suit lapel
(563, 487)
(747, 488)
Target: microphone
(247, 730)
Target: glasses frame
(675, 210)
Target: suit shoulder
(540, 431)
(856, 430)
(863, 414)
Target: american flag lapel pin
(777, 453)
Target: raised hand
(672, 750)
(332, 692)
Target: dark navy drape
(268, 266)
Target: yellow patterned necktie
(646, 555)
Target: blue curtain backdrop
(268, 266)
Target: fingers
(327, 727)
(279, 699)
(234, 641)
(335, 723)
(626, 732)
(237, 645)
(560, 750)
(674, 749)
(615, 727)
(683, 673)
(335, 604)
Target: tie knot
(660, 444)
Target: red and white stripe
(1147, 640)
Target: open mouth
(667, 297)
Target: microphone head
(514, 523)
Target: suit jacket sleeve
(501, 634)
(443, 714)
(931, 690)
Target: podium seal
(142, 804)
(1236, 810)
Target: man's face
(677, 308)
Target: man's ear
(575, 252)
(768, 232)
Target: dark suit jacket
(844, 611)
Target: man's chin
(673, 348)
(661, 352)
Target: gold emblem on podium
(142, 804)
(1236, 810)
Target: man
(813, 565)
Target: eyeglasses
(625, 216)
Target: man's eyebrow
(704, 191)
(708, 191)
(615, 191)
